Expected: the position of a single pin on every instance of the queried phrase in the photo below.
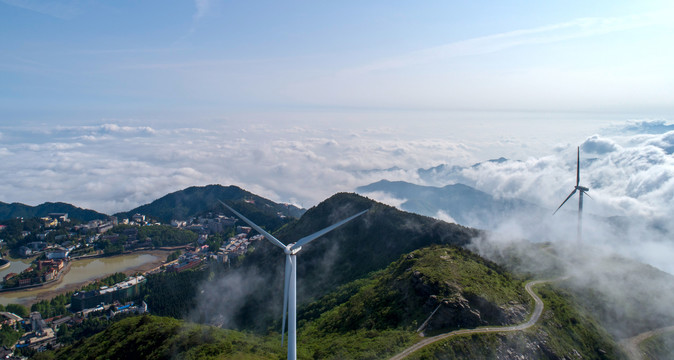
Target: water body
(84, 271)
(15, 266)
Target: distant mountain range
(14, 210)
(197, 200)
(443, 173)
(181, 205)
(466, 205)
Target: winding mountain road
(631, 345)
(538, 310)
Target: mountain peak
(195, 200)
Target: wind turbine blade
(565, 200)
(578, 168)
(285, 295)
(588, 195)
(307, 239)
(267, 235)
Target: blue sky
(82, 61)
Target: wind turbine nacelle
(582, 188)
(289, 250)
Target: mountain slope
(563, 332)
(369, 243)
(466, 205)
(196, 200)
(153, 337)
(468, 292)
(377, 316)
(13, 210)
(625, 296)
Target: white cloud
(114, 128)
(641, 127)
(53, 146)
(664, 142)
(578, 28)
(123, 166)
(112, 167)
(385, 198)
(598, 145)
(441, 215)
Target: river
(15, 266)
(84, 271)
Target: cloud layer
(114, 166)
(117, 165)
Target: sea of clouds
(116, 166)
(112, 167)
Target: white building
(58, 254)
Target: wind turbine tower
(582, 190)
(290, 283)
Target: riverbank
(15, 265)
(56, 280)
(85, 271)
(4, 264)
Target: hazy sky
(112, 104)
(80, 60)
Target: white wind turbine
(290, 283)
(582, 190)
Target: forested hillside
(367, 244)
(377, 316)
(14, 210)
(196, 200)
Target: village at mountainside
(50, 244)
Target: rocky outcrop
(455, 309)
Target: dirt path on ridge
(538, 310)
(631, 345)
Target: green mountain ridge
(367, 244)
(14, 210)
(388, 306)
(196, 200)
(181, 205)
(467, 290)
(152, 337)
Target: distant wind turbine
(290, 283)
(582, 190)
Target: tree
(18, 309)
(173, 256)
(8, 336)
